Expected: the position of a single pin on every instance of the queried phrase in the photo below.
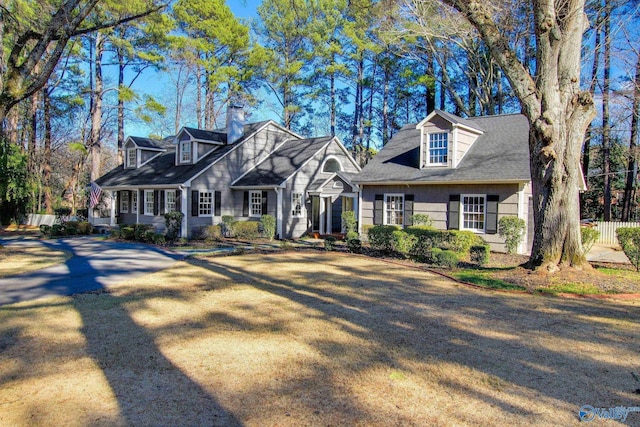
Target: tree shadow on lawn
(149, 388)
(550, 347)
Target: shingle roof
(207, 135)
(149, 143)
(162, 170)
(283, 162)
(501, 153)
(459, 120)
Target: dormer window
(185, 151)
(436, 153)
(132, 157)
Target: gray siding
(433, 201)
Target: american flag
(94, 196)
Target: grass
(312, 338)
(25, 259)
(483, 278)
(571, 288)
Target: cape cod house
(244, 170)
(464, 173)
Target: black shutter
(195, 196)
(408, 210)
(217, 206)
(161, 202)
(118, 197)
(155, 202)
(378, 209)
(265, 205)
(453, 213)
(179, 200)
(492, 214)
(245, 204)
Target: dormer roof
(211, 136)
(469, 124)
(150, 144)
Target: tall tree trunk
(121, 67)
(95, 145)
(586, 151)
(385, 105)
(606, 125)
(33, 135)
(46, 162)
(332, 84)
(632, 166)
(199, 95)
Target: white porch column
(184, 209)
(112, 220)
(279, 213)
(522, 248)
(359, 211)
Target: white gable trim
(334, 139)
(434, 113)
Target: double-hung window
(394, 209)
(148, 202)
(134, 201)
(132, 157)
(438, 151)
(170, 201)
(124, 202)
(296, 204)
(473, 212)
(205, 203)
(255, 203)
(185, 151)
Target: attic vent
(332, 165)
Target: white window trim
(251, 214)
(427, 143)
(166, 200)
(213, 201)
(293, 205)
(146, 212)
(384, 208)
(324, 164)
(190, 151)
(134, 201)
(124, 201)
(128, 159)
(461, 220)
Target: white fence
(608, 231)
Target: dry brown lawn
(312, 338)
(24, 259)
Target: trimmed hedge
(381, 237)
(589, 237)
(629, 238)
(249, 230)
(479, 254)
(444, 258)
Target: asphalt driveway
(95, 264)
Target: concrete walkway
(606, 253)
(95, 264)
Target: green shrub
(85, 228)
(461, 241)
(249, 230)
(381, 237)
(158, 239)
(422, 220)
(149, 236)
(365, 230)
(226, 226)
(349, 222)
(444, 258)
(511, 229)
(58, 230)
(173, 223)
(213, 233)
(354, 246)
(589, 237)
(351, 235)
(45, 230)
(403, 242)
(127, 232)
(421, 250)
(268, 226)
(329, 243)
(629, 238)
(71, 228)
(140, 232)
(479, 254)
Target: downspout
(359, 210)
(183, 208)
(521, 214)
(112, 220)
(278, 191)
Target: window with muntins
(148, 202)
(185, 151)
(132, 157)
(473, 212)
(394, 209)
(134, 201)
(124, 201)
(296, 204)
(170, 201)
(255, 203)
(205, 203)
(438, 151)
